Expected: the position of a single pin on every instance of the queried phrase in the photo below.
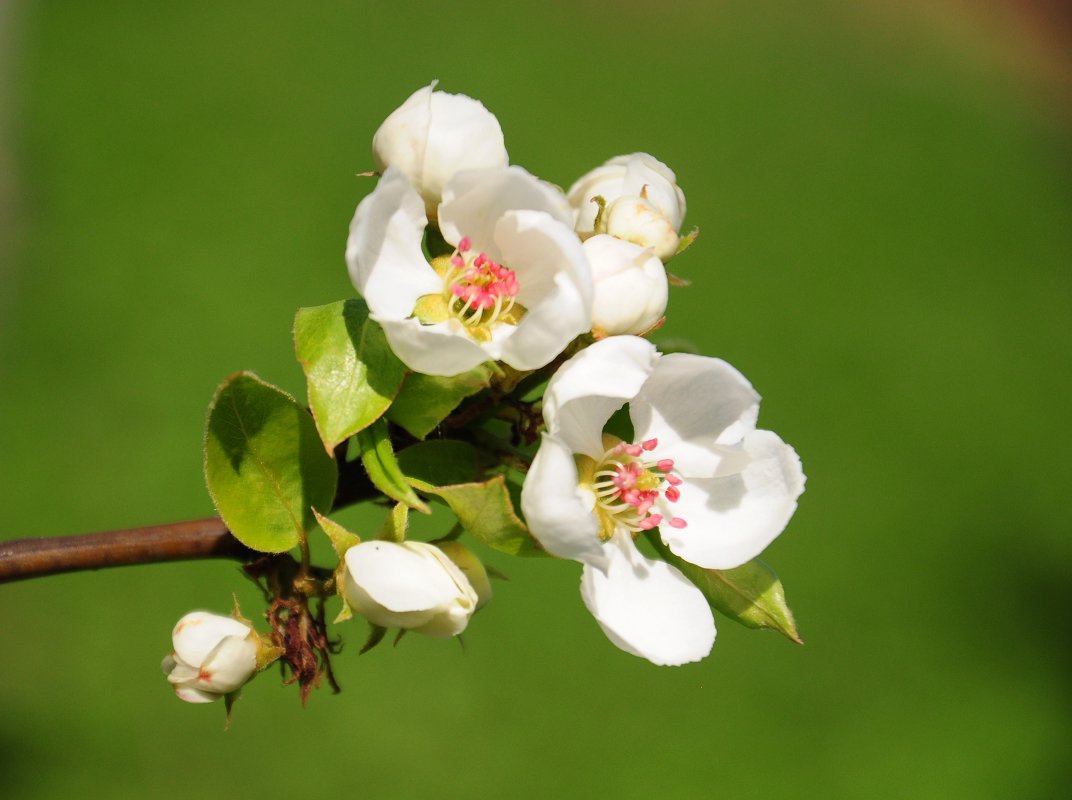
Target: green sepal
(426, 400)
(395, 526)
(341, 539)
(440, 462)
(351, 373)
(750, 594)
(486, 511)
(375, 637)
(264, 464)
(380, 463)
(686, 241)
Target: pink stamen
(465, 244)
(677, 522)
(628, 485)
(650, 444)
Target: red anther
(457, 261)
(479, 260)
(650, 444)
(677, 522)
(672, 494)
(665, 465)
(465, 244)
(673, 480)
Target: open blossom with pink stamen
(695, 467)
(517, 287)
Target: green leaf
(378, 458)
(264, 464)
(426, 400)
(440, 462)
(350, 371)
(486, 512)
(750, 594)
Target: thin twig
(175, 541)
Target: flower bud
(214, 656)
(412, 585)
(630, 286)
(472, 567)
(433, 135)
(641, 203)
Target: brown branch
(176, 541)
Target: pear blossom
(434, 135)
(213, 657)
(695, 467)
(630, 286)
(517, 287)
(411, 585)
(641, 203)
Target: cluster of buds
(485, 283)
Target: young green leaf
(264, 464)
(351, 373)
(486, 511)
(378, 458)
(750, 594)
(426, 400)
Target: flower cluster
(498, 350)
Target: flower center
(629, 480)
(477, 291)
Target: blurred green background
(885, 205)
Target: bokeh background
(884, 198)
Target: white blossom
(630, 286)
(642, 203)
(411, 585)
(434, 135)
(517, 287)
(695, 467)
(213, 657)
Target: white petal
(433, 135)
(198, 633)
(630, 283)
(732, 518)
(606, 182)
(192, 695)
(691, 403)
(474, 201)
(648, 177)
(559, 514)
(440, 349)
(586, 390)
(555, 286)
(647, 607)
(383, 251)
(408, 585)
(230, 664)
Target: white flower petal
(474, 201)
(198, 633)
(433, 135)
(647, 607)
(408, 585)
(630, 284)
(192, 695)
(691, 403)
(732, 518)
(555, 287)
(440, 349)
(592, 385)
(230, 664)
(559, 514)
(383, 251)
